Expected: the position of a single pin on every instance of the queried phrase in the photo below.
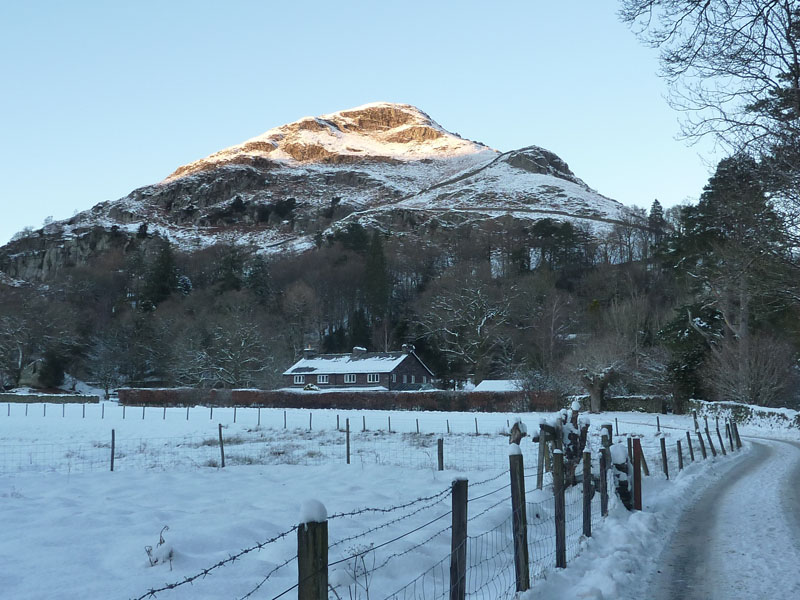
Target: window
(350, 378)
(299, 379)
(413, 378)
(394, 377)
(373, 377)
(322, 379)
(405, 378)
(424, 379)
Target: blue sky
(99, 98)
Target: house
(360, 369)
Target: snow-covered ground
(74, 529)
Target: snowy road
(741, 537)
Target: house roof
(498, 385)
(366, 362)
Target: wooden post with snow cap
(664, 460)
(604, 482)
(540, 457)
(691, 449)
(458, 542)
(312, 552)
(519, 517)
(560, 509)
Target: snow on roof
(334, 364)
(498, 385)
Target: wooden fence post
(658, 424)
(476, 426)
(637, 474)
(259, 417)
(63, 409)
(691, 449)
(729, 434)
(721, 443)
(458, 542)
(84, 412)
(164, 418)
(337, 424)
(680, 457)
(113, 446)
(390, 424)
(560, 509)
(448, 426)
(234, 414)
(736, 434)
(604, 482)
(123, 412)
(540, 459)
(710, 444)
(702, 444)
(284, 419)
(587, 493)
(310, 416)
(221, 448)
(363, 422)
(417, 420)
(187, 413)
(102, 410)
(616, 421)
(645, 468)
(143, 412)
(630, 448)
(347, 437)
(520, 522)
(664, 460)
(440, 452)
(312, 561)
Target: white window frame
(405, 378)
(350, 378)
(299, 379)
(394, 377)
(373, 377)
(322, 379)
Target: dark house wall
(410, 367)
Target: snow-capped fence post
(710, 443)
(606, 434)
(702, 445)
(560, 509)
(637, 474)
(519, 518)
(691, 450)
(458, 541)
(721, 443)
(221, 448)
(440, 453)
(604, 482)
(587, 493)
(664, 460)
(347, 438)
(312, 552)
(113, 445)
(680, 456)
(696, 425)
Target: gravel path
(740, 538)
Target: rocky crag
(383, 165)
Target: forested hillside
(700, 301)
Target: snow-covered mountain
(375, 164)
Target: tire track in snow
(740, 538)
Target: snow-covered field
(74, 529)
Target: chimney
(407, 348)
(358, 351)
(308, 353)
